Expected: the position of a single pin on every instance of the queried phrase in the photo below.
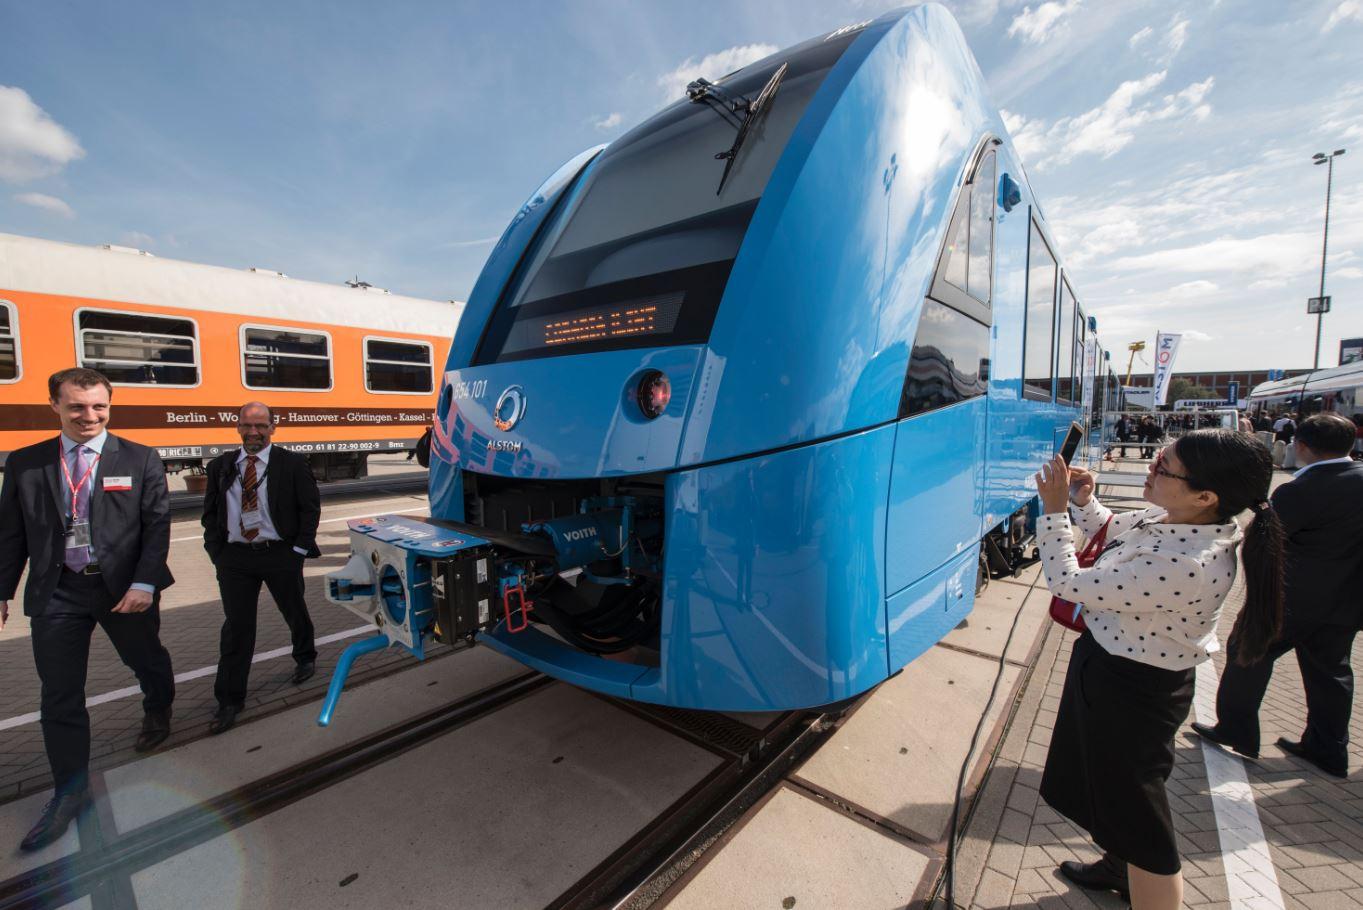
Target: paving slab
(165, 783)
(900, 754)
(986, 628)
(506, 812)
(798, 853)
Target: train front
(651, 471)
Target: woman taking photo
(1151, 603)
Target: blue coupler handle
(338, 676)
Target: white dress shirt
(1155, 593)
(95, 445)
(267, 529)
(1343, 459)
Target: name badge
(118, 483)
(78, 535)
(251, 520)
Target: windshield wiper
(703, 91)
(755, 110)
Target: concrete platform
(507, 812)
(165, 783)
(795, 852)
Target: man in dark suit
(1321, 509)
(89, 513)
(261, 510)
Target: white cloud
(610, 121)
(137, 239)
(1199, 288)
(32, 144)
(50, 204)
(1140, 36)
(1035, 25)
(1194, 335)
(1029, 136)
(1349, 272)
(712, 67)
(1349, 9)
(1176, 36)
(1112, 126)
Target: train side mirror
(1010, 194)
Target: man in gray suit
(89, 513)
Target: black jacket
(129, 529)
(1322, 514)
(291, 493)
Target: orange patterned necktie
(249, 502)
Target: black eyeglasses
(1159, 469)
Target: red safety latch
(515, 593)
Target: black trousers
(241, 572)
(61, 650)
(1323, 655)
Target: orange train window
(288, 359)
(137, 349)
(9, 342)
(397, 366)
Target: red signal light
(654, 393)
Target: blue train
(745, 403)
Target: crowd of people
(89, 514)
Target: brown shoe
(155, 729)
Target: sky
(1169, 142)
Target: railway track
(633, 877)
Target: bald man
(261, 510)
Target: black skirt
(1112, 751)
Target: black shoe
(304, 672)
(1332, 768)
(155, 729)
(1212, 735)
(224, 720)
(1107, 874)
(56, 817)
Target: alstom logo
(579, 534)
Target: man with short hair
(260, 517)
(1321, 510)
(89, 513)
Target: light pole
(1329, 162)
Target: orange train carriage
(348, 371)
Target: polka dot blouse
(1155, 593)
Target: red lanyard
(71, 483)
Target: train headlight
(654, 392)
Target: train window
(1038, 353)
(139, 349)
(397, 366)
(9, 342)
(292, 359)
(641, 251)
(950, 360)
(1066, 385)
(964, 274)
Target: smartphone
(1072, 440)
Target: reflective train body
(738, 399)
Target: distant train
(743, 403)
(1338, 389)
(348, 371)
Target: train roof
(1344, 376)
(131, 276)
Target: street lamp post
(1329, 162)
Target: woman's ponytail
(1261, 618)
(1239, 470)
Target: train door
(937, 474)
